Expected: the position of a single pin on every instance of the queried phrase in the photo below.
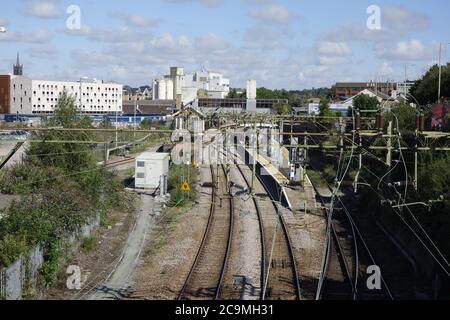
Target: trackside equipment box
(150, 166)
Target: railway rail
(353, 258)
(280, 272)
(204, 281)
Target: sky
(290, 44)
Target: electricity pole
(440, 72)
(389, 145)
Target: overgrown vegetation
(61, 188)
(177, 175)
(425, 89)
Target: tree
(324, 108)
(283, 109)
(71, 157)
(425, 90)
(406, 116)
(365, 102)
(233, 94)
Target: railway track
(119, 162)
(353, 256)
(204, 281)
(281, 278)
(342, 257)
(279, 272)
(261, 231)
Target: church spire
(18, 68)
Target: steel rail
(261, 231)
(230, 239)
(205, 235)
(288, 241)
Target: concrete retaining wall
(24, 272)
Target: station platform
(299, 199)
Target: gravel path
(117, 285)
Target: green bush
(88, 243)
(61, 188)
(177, 175)
(11, 247)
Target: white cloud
(407, 50)
(43, 52)
(332, 53)
(46, 9)
(211, 42)
(385, 69)
(400, 18)
(353, 32)
(118, 35)
(208, 3)
(262, 38)
(137, 21)
(39, 37)
(329, 48)
(272, 13)
(3, 22)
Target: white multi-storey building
(187, 85)
(214, 83)
(30, 96)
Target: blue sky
(292, 44)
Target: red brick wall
(5, 91)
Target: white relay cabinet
(150, 167)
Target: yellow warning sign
(185, 186)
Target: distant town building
(148, 107)
(348, 89)
(29, 96)
(343, 107)
(186, 87)
(5, 94)
(403, 89)
(142, 93)
(239, 105)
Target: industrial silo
(169, 89)
(162, 89)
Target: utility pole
(440, 72)
(389, 145)
(135, 106)
(305, 161)
(254, 159)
